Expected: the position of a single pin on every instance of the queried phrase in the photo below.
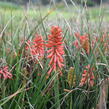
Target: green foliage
(30, 88)
(90, 3)
(9, 6)
(86, 2)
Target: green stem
(56, 89)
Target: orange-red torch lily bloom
(36, 47)
(56, 50)
(87, 76)
(82, 41)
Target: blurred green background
(44, 2)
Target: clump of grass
(86, 53)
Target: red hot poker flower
(87, 76)
(4, 73)
(82, 42)
(56, 50)
(105, 41)
(36, 47)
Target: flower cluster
(36, 47)
(104, 40)
(87, 76)
(82, 41)
(4, 73)
(56, 50)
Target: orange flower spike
(84, 42)
(36, 47)
(87, 76)
(56, 50)
(105, 41)
(84, 78)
